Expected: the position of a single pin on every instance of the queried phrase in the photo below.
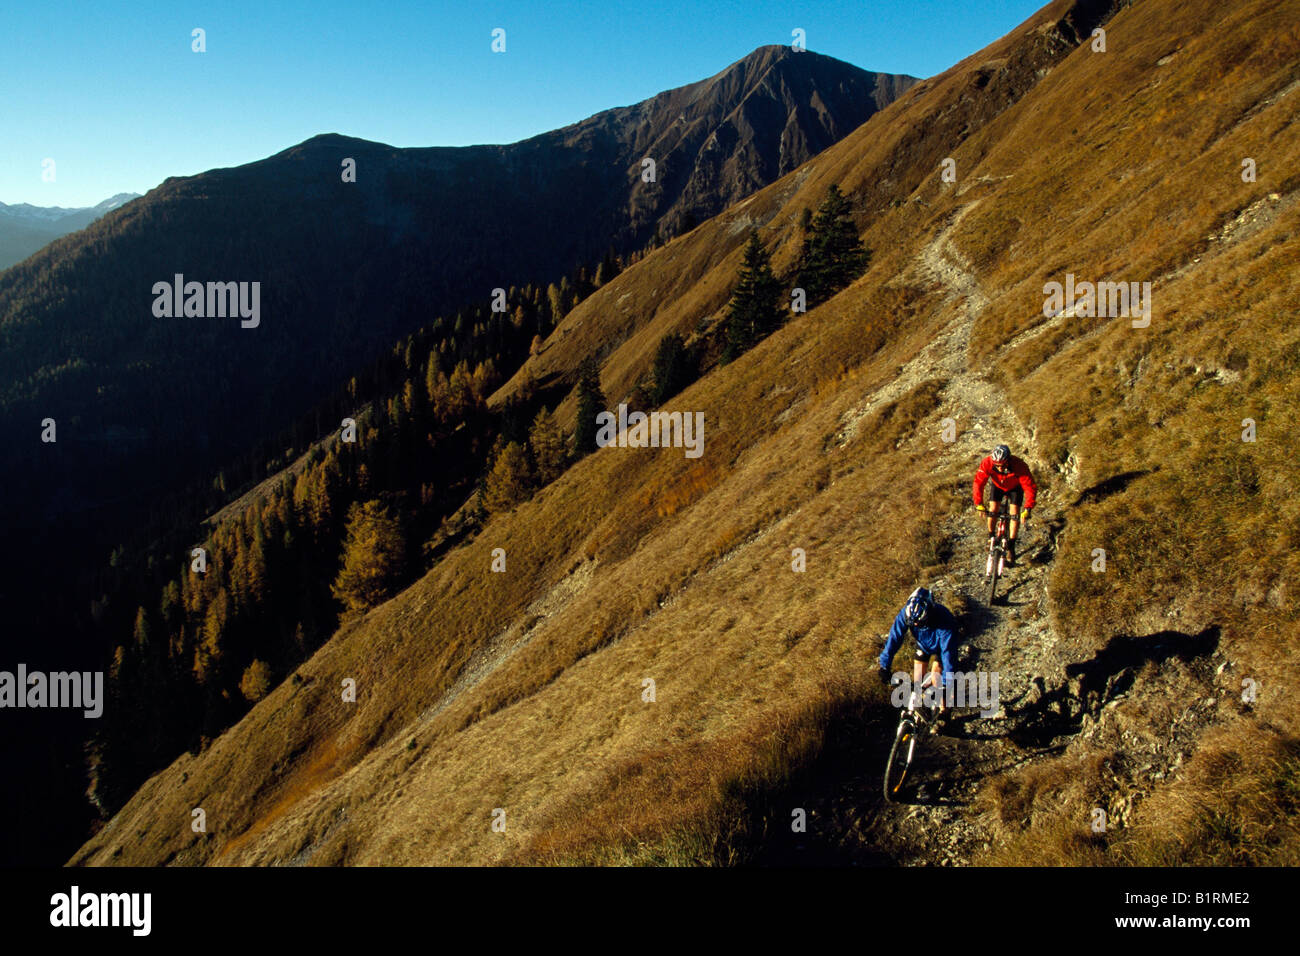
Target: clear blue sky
(114, 95)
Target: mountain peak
(112, 202)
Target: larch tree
(547, 443)
(374, 556)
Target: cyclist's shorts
(1015, 496)
(923, 657)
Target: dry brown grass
(688, 803)
(636, 565)
(1236, 805)
(1042, 816)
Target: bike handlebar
(1020, 515)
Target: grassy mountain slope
(154, 415)
(524, 690)
(345, 268)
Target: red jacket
(1017, 475)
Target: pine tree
(484, 381)
(754, 310)
(170, 607)
(555, 301)
(322, 498)
(255, 582)
(608, 268)
(591, 402)
(833, 255)
(209, 655)
(142, 634)
(460, 397)
(672, 369)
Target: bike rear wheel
(900, 758)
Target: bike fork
(995, 555)
(997, 548)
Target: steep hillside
(157, 415)
(1121, 689)
(431, 230)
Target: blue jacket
(938, 636)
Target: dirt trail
(1047, 697)
(1014, 639)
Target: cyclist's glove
(979, 507)
(883, 674)
(1024, 515)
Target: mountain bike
(995, 563)
(912, 725)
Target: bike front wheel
(995, 561)
(900, 759)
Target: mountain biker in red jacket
(1009, 479)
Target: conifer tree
(256, 682)
(833, 255)
(672, 369)
(210, 653)
(547, 444)
(607, 269)
(374, 554)
(754, 310)
(508, 480)
(142, 633)
(591, 402)
(555, 301)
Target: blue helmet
(917, 608)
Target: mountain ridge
(261, 213)
(151, 412)
(526, 692)
(25, 229)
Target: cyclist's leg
(918, 673)
(936, 678)
(925, 675)
(995, 497)
(1014, 498)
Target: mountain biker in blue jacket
(935, 630)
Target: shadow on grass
(839, 790)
